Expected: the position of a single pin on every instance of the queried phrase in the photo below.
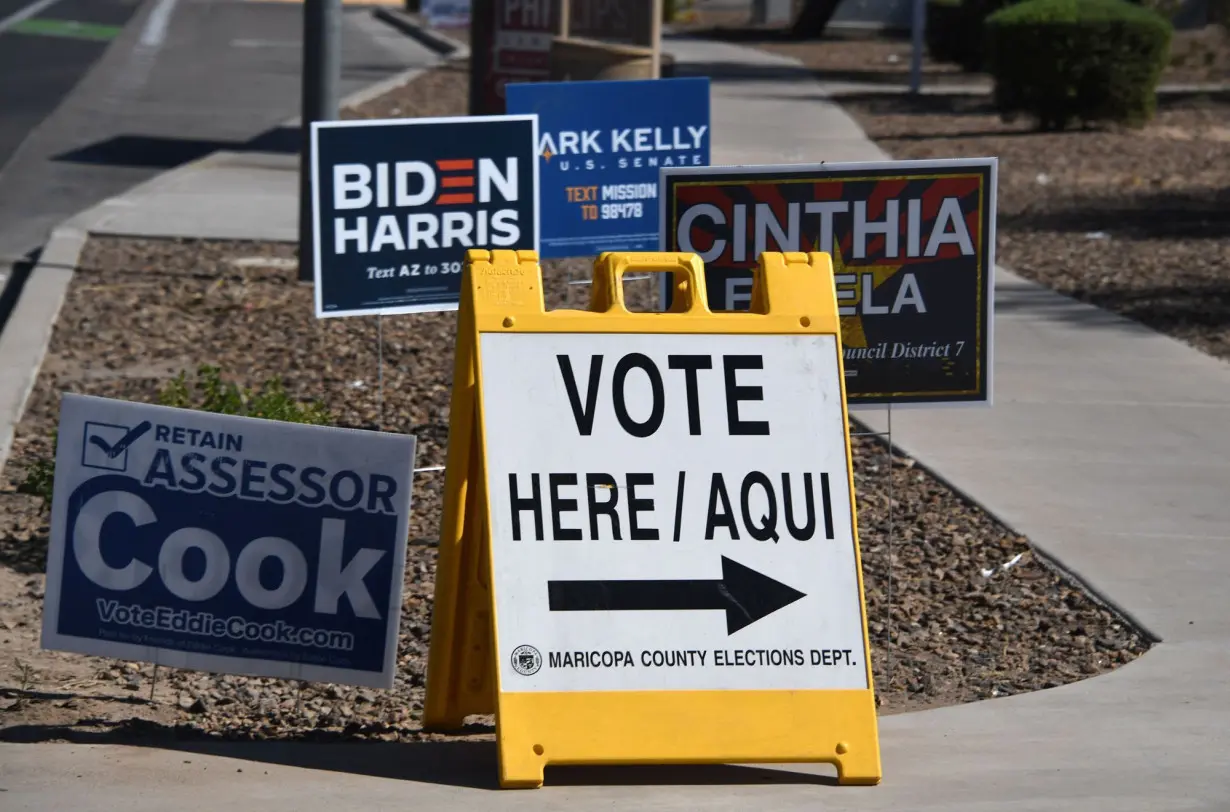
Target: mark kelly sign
(600, 146)
(913, 248)
(225, 543)
(396, 204)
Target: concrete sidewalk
(1106, 446)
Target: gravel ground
(138, 312)
(1135, 221)
(1201, 55)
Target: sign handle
(687, 271)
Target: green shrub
(1077, 60)
(954, 30)
(206, 393)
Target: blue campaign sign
(226, 543)
(446, 13)
(600, 146)
(396, 204)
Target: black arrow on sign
(745, 595)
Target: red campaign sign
(536, 61)
(526, 15)
(912, 245)
(520, 46)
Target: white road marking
(155, 30)
(264, 43)
(131, 79)
(25, 14)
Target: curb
(28, 329)
(447, 47)
(23, 344)
(373, 91)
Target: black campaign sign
(397, 203)
(913, 249)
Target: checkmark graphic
(121, 445)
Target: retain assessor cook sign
(913, 248)
(601, 145)
(396, 204)
(671, 512)
(226, 543)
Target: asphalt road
(137, 87)
(41, 58)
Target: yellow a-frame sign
(649, 550)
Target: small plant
(40, 477)
(27, 674)
(1077, 60)
(207, 392)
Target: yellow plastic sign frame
(502, 291)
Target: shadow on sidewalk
(469, 764)
(163, 152)
(743, 71)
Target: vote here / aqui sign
(670, 510)
(227, 543)
(708, 522)
(913, 248)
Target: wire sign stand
(380, 389)
(887, 435)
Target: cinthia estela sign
(913, 249)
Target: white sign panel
(225, 543)
(670, 512)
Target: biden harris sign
(226, 543)
(397, 203)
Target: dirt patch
(973, 614)
(1196, 56)
(1135, 221)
